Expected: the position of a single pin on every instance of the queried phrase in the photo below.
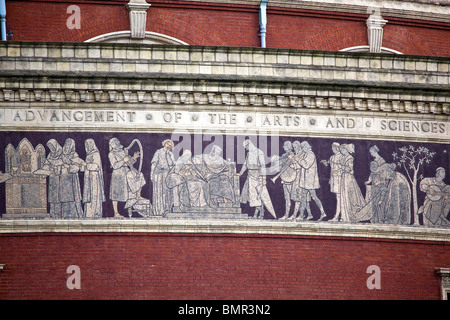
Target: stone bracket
(138, 17)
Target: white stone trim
(375, 24)
(125, 37)
(444, 274)
(232, 227)
(438, 10)
(366, 49)
(138, 17)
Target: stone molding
(110, 73)
(438, 10)
(235, 227)
(444, 274)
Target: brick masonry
(227, 24)
(184, 266)
(257, 264)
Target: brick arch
(405, 41)
(93, 23)
(337, 38)
(181, 29)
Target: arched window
(125, 37)
(366, 49)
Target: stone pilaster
(138, 17)
(375, 25)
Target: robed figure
(351, 198)
(218, 173)
(52, 167)
(254, 190)
(93, 191)
(388, 193)
(69, 183)
(161, 164)
(189, 186)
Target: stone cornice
(242, 227)
(438, 11)
(111, 73)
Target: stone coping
(42, 72)
(247, 227)
(203, 62)
(433, 10)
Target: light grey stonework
(59, 87)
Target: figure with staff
(255, 191)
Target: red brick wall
(225, 25)
(181, 266)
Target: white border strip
(233, 227)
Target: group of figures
(388, 193)
(207, 183)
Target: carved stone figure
(69, 183)
(190, 186)
(388, 194)
(52, 168)
(335, 163)
(255, 191)
(126, 181)
(93, 191)
(218, 173)
(307, 181)
(161, 164)
(287, 175)
(436, 206)
(352, 200)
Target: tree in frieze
(412, 160)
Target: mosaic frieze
(99, 175)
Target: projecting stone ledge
(240, 227)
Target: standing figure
(53, 165)
(335, 176)
(70, 191)
(255, 191)
(93, 191)
(352, 200)
(436, 207)
(126, 181)
(161, 164)
(296, 189)
(287, 176)
(308, 180)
